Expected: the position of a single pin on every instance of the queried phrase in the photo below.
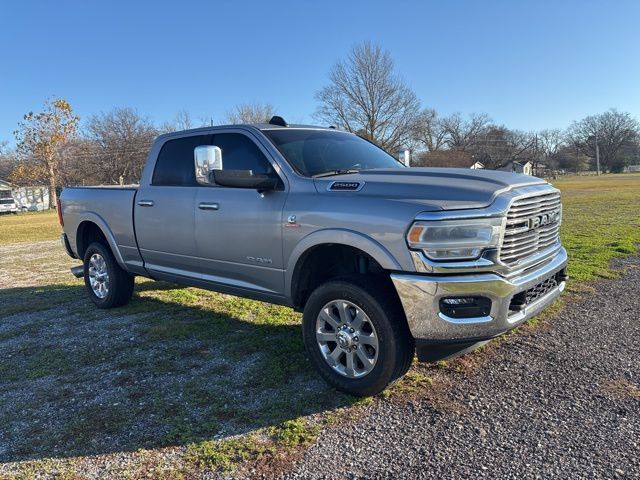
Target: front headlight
(463, 239)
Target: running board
(78, 271)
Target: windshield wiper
(336, 172)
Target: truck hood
(433, 188)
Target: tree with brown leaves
(40, 138)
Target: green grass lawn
(29, 227)
(601, 221)
(191, 364)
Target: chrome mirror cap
(206, 158)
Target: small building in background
(632, 169)
(5, 187)
(477, 166)
(29, 199)
(525, 168)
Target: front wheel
(108, 285)
(356, 335)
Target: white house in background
(477, 166)
(518, 167)
(4, 186)
(27, 198)
(632, 168)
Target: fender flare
(106, 231)
(339, 237)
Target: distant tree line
(364, 95)
(54, 148)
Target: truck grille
(523, 299)
(533, 225)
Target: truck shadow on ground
(174, 366)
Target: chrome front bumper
(421, 294)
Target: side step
(78, 271)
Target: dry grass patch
(621, 389)
(29, 227)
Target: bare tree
(365, 95)
(181, 121)
(496, 146)
(118, 144)
(571, 159)
(550, 141)
(7, 159)
(40, 137)
(612, 129)
(250, 113)
(428, 131)
(547, 145)
(79, 163)
(461, 133)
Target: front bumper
(421, 294)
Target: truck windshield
(321, 152)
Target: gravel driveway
(561, 401)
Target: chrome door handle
(145, 203)
(208, 206)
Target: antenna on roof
(276, 120)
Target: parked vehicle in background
(7, 202)
(382, 260)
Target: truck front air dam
(514, 300)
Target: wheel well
(87, 233)
(324, 262)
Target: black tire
(120, 283)
(380, 303)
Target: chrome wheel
(98, 276)
(347, 339)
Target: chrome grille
(522, 239)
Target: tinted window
(240, 153)
(175, 165)
(314, 152)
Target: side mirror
(246, 179)
(207, 158)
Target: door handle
(208, 206)
(145, 203)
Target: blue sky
(529, 65)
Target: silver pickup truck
(382, 260)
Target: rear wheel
(356, 335)
(108, 285)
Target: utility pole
(597, 155)
(535, 157)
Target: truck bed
(110, 207)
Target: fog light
(465, 307)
